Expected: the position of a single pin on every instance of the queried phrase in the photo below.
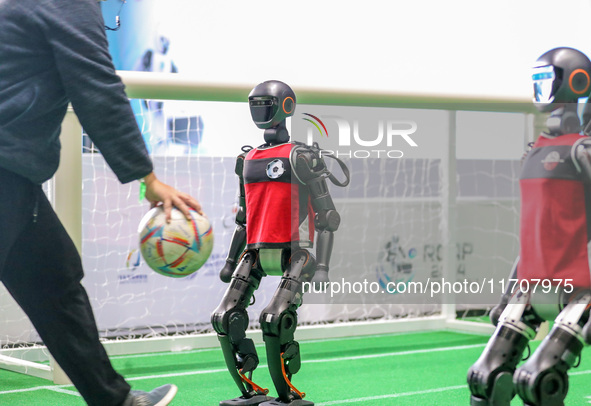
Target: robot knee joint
(270, 322)
(278, 324)
(543, 379)
(227, 321)
(490, 389)
(491, 378)
(546, 388)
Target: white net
(390, 211)
(129, 299)
(489, 151)
(390, 251)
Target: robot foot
(295, 402)
(242, 401)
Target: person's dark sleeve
(76, 34)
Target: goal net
(413, 217)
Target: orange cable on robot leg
(256, 387)
(300, 394)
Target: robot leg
(230, 321)
(490, 378)
(278, 322)
(543, 379)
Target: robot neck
(564, 120)
(277, 134)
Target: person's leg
(16, 209)
(42, 271)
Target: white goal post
(65, 192)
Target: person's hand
(160, 193)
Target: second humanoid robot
(284, 204)
(555, 236)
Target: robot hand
(495, 313)
(236, 248)
(320, 278)
(227, 271)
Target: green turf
(403, 369)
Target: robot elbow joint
(328, 220)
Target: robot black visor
(263, 109)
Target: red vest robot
(553, 265)
(284, 203)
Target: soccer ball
(176, 249)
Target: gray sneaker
(161, 396)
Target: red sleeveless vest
(278, 209)
(554, 229)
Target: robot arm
(239, 237)
(496, 311)
(530, 145)
(310, 169)
(582, 158)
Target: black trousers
(42, 270)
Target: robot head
(271, 102)
(561, 75)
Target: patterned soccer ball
(176, 249)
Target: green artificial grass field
(410, 369)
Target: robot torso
(555, 213)
(278, 209)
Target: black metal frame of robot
(542, 380)
(244, 269)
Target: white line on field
(62, 390)
(393, 395)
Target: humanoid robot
(555, 234)
(284, 202)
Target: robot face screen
(543, 78)
(262, 109)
